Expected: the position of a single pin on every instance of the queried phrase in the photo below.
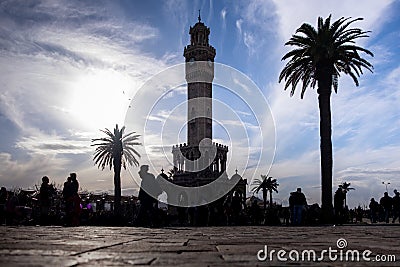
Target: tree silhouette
(266, 184)
(319, 57)
(346, 188)
(116, 150)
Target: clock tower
(199, 161)
(199, 58)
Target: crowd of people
(388, 207)
(72, 209)
(41, 206)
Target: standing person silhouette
(67, 195)
(236, 207)
(76, 200)
(396, 206)
(298, 201)
(46, 191)
(3, 201)
(148, 193)
(386, 203)
(339, 205)
(373, 209)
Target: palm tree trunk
(324, 101)
(265, 198)
(270, 199)
(117, 186)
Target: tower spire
(199, 18)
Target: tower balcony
(194, 159)
(199, 71)
(199, 52)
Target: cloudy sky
(70, 68)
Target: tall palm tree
(266, 184)
(346, 188)
(116, 150)
(320, 55)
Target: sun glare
(100, 99)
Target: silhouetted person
(228, 208)
(386, 203)
(236, 207)
(339, 205)
(3, 201)
(359, 214)
(76, 200)
(46, 191)
(68, 199)
(148, 193)
(297, 202)
(67, 189)
(396, 206)
(373, 209)
(11, 208)
(74, 183)
(285, 213)
(22, 198)
(201, 215)
(255, 212)
(291, 206)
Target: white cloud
(53, 145)
(239, 25)
(24, 173)
(259, 13)
(62, 81)
(393, 79)
(58, 75)
(223, 15)
(177, 11)
(250, 41)
(293, 13)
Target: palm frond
(331, 46)
(265, 183)
(116, 145)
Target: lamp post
(386, 185)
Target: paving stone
(204, 246)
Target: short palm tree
(116, 150)
(346, 188)
(266, 184)
(320, 55)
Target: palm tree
(116, 150)
(266, 184)
(319, 57)
(346, 188)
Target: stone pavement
(205, 246)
